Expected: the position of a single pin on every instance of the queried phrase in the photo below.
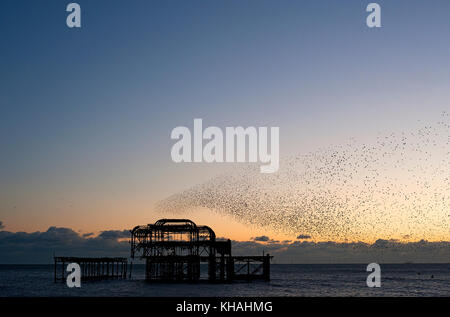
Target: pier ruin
(174, 250)
(91, 268)
(179, 250)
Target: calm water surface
(287, 280)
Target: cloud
(381, 251)
(89, 234)
(1, 225)
(261, 238)
(303, 237)
(115, 234)
(39, 247)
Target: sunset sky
(86, 114)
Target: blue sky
(86, 113)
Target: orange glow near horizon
(224, 227)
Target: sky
(40, 247)
(86, 114)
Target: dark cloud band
(39, 247)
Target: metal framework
(92, 268)
(176, 249)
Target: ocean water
(286, 280)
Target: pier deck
(92, 268)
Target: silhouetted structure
(174, 250)
(92, 268)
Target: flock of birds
(394, 188)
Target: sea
(286, 280)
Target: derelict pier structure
(177, 250)
(92, 268)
